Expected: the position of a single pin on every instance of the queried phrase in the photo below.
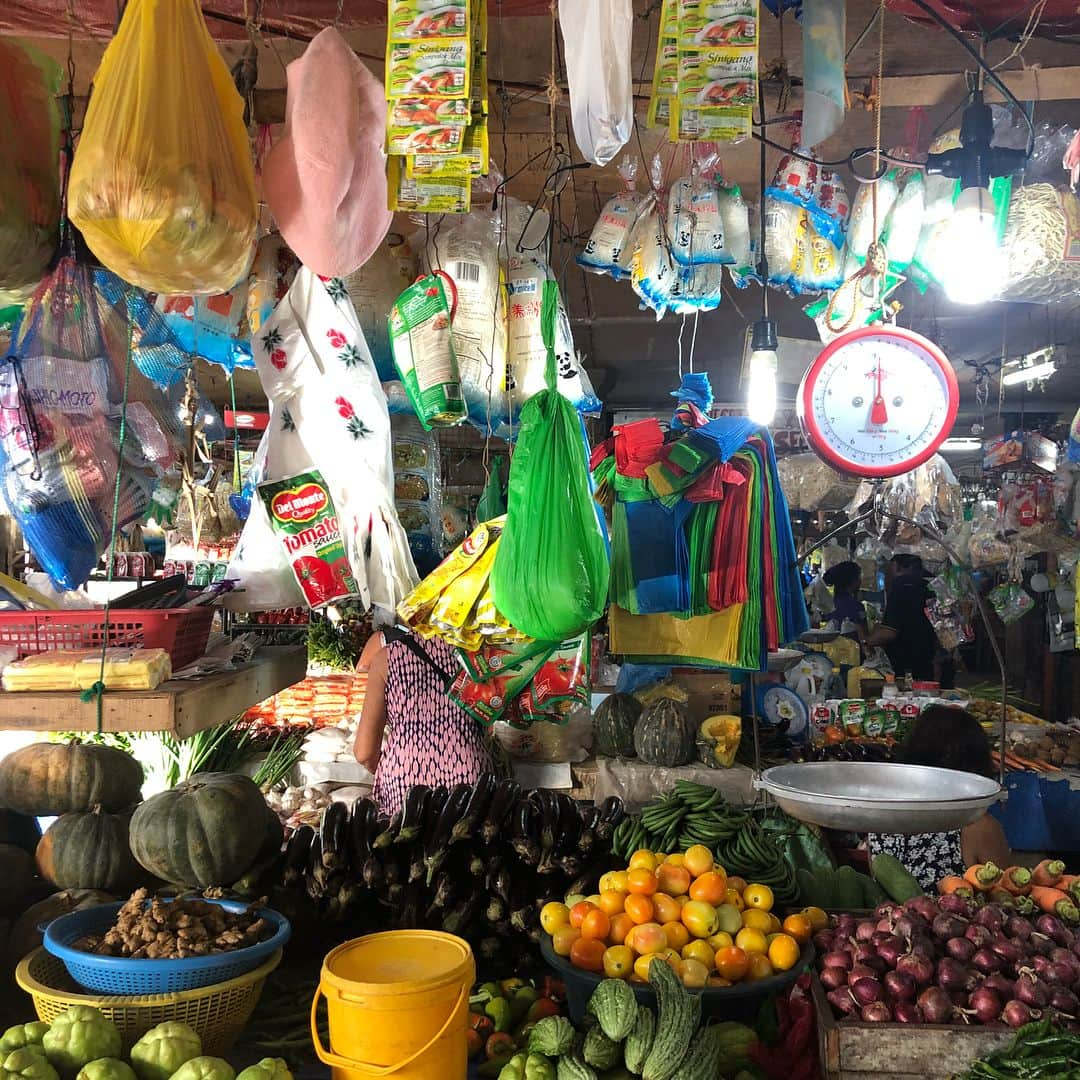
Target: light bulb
(761, 388)
(972, 263)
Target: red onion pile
(944, 960)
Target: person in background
(946, 738)
(372, 647)
(429, 740)
(845, 580)
(905, 631)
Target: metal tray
(859, 796)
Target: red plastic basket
(181, 632)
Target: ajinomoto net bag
(162, 185)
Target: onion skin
(842, 1001)
(1017, 1014)
(866, 991)
(979, 935)
(886, 910)
(1042, 944)
(1065, 1001)
(987, 961)
(865, 931)
(985, 1005)
(959, 948)
(861, 971)
(1018, 928)
(918, 967)
(877, 1012)
(1029, 991)
(954, 905)
(991, 916)
(949, 926)
(923, 947)
(906, 1012)
(909, 924)
(1002, 986)
(837, 958)
(1066, 958)
(1054, 928)
(824, 940)
(899, 985)
(935, 1006)
(890, 950)
(1009, 951)
(952, 975)
(924, 907)
(833, 978)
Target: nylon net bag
(162, 185)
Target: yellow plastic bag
(162, 185)
(703, 639)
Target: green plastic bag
(550, 577)
(492, 502)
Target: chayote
(106, 1069)
(267, 1069)
(204, 1068)
(26, 1064)
(15, 1038)
(79, 1036)
(163, 1049)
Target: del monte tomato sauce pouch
(303, 516)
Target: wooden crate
(858, 1051)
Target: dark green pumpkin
(205, 831)
(19, 829)
(665, 735)
(613, 725)
(89, 851)
(49, 779)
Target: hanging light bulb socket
(763, 336)
(975, 162)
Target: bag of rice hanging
(162, 185)
(1041, 245)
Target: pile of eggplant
(478, 860)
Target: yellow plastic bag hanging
(162, 185)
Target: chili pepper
(499, 1011)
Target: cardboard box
(711, 693)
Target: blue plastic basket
(122, 975)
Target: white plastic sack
(695, 228)
(597, 38)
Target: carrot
(948, 886)
(1055, 902)
(1066, 881)
(998, 895)
(982, 877)
(1016, 880)
(1048, 873)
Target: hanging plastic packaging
(904, 223)
(208, 326)
(550, 576)
(29, 169)
(861, 227)
(735, 219)
(652, 270)
(611, 233)
(162, 185)
(373, 290)
(695, 230)
(424, 356)
(597, 39)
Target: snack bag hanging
(613, 227)
(162, 185)
(550, 576)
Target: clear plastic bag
(373, 289)
(597, 39)
(1011, 602)
(695, 229)
(162, 185)
(29, 169)
(904, 223)
(611, 233)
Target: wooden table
(181, 706)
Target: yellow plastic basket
(218, 1013)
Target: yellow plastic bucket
(398, 1005)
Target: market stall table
(636, 782)
(180, 706)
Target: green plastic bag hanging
(550, 577)
(492, 502)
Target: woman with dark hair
(845, 580)
(946, 738)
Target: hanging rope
(551, 83)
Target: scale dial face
(878, 401)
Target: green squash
(613, 725)
(88, 851)
(205, 831)
(49, 779)
(665, 735)
(78, 1036)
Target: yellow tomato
(699, 918)
(734, 897)
(618, 881)
(673, 880)
(783, 952)
(718, 980)
(621, 925)
(677, 935)
(660, 857)
(722, 940)
(611, 902)
(700, 951)
(682, 900)
(710, 887)
(775, 926)
(641, 882)
(664, 908)
(757, 920)
(594, 899)
(751, 941)
(674, 959)
(758, 968)
(562, 941)
(642, 858)
(694, 973)
(729, 918)
(605, 882)
(759, 896)
(618, 962)
(698, 859)
(648, 938)
(554, 915)
(817, 918)
(641, 966)
(675, 859)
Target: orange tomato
(675, 859)
(639, 908)
(722, 940)
(783, 952)
(621, 925)
(579, 911)
(588, 954)
(816, 917)
(710, 887)
(834, 735)
(756, 896)
(611, 902)
(596, 925)
(751, 941)
(641, 882)
(734, 897)
(737, 883)
(731, 963)
(649, 938)
(757, 920)
(759, 968)
(701, 952)
(673, 880)
(774, 924)
(700, 918)
(664, 908)
(618, 962)
(677, 935)
(563, 939)
(698, 859)
(642, 858)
